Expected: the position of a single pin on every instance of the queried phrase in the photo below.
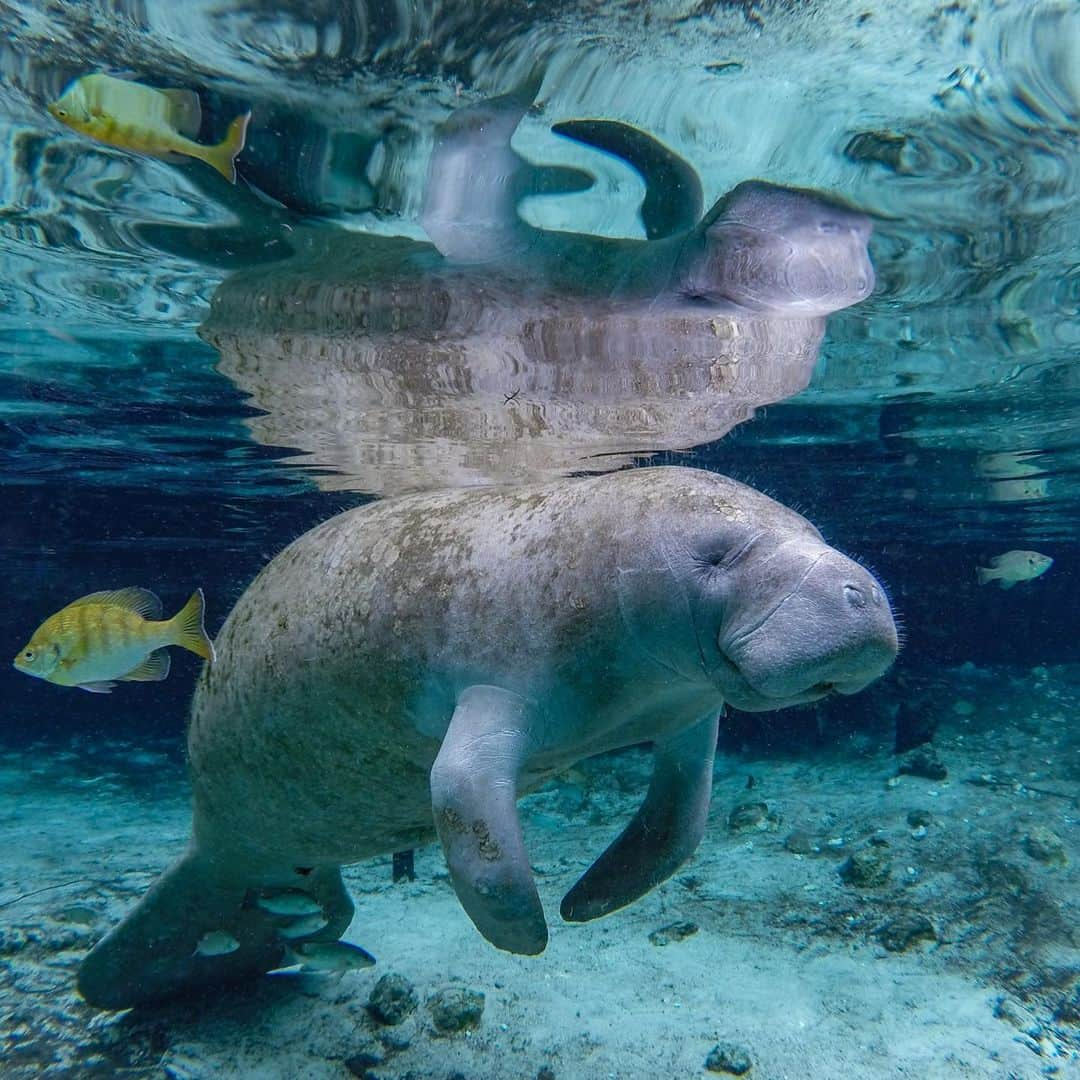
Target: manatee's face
(785, 619)
(772, 249)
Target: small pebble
(868, 867)
(678, 931)
(801, 843)
(924, 763)
(455, 1009)
(1045, 846)
(730, 1058)
(903, 931)
(392, 999)
(752, 817)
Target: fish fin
(995, 560)
(223, 156)
(1005, 583)
(188, 628)
(984, 575)
(97, 687)
(141, 601)
(153, 669)
(185, 111)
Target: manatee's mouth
(736, 688)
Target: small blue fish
(217, 943)
(307, 924)
(291, 902)
(325, 958)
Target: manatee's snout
(825, 281)
(834, 632)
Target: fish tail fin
(984, 575)
(223, 156)
(188, 629)
(153, 953)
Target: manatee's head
(801, 621)
(780, 250)
(740, 589)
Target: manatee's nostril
(855, 596)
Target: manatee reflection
(504, 353)
(401, 388)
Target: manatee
(408, 669)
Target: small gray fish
(1014, 567)
(327, 957)
(306, 924)
(292, 902)
(216, 943)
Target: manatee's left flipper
(663, 833)
(474, 797)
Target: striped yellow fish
(113, 635)
(131, 116)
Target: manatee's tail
(189, 630)
(223, 156)
(155, 952)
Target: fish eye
(29, 654)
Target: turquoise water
(194, 372)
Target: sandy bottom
(781, 957)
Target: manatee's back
(339, 666)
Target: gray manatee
(411, 667)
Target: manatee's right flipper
(152, 954)
(474, 797)
(674, 201)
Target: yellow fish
(141, 118)
(113, 635)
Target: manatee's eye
(829, 226)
